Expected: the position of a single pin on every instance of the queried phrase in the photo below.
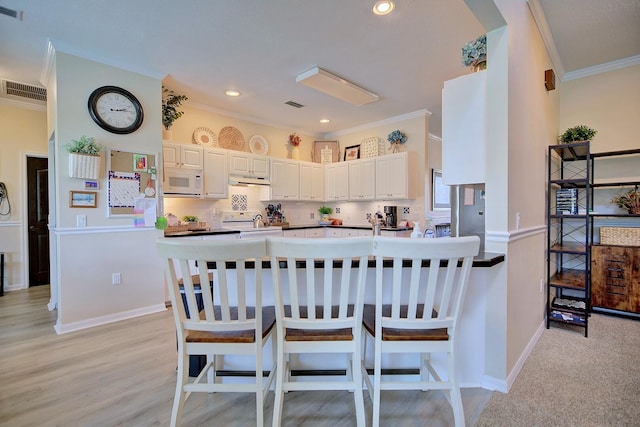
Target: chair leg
(259, 390)
(455, 395)
(356, 365)
(281, 374)
(179, 397)
(377, 378)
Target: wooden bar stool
(418, 313)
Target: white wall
(24, 132)
(87, 257)
(608, 102)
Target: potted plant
(84, 157)
(170, 113)
(629, 200)
(325, 211)
(474, 53)
(396, 138)
(577, 133)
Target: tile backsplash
(248, 198)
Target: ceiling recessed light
(233, 93)
(383, 7)
(324, 120)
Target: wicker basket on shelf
(620, 236)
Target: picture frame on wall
(440, 193)
(83, 199)
(352, 152)
(325, 152)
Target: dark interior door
(38, 212)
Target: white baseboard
(492, 383)
(103, 320)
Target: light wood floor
(123, 374)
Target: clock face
(115, 109)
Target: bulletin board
(130, 177)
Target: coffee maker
(391, 216)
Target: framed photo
(139, 162)
(439, 192)
(352, 153)
(83, 199)
(325, 152)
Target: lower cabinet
(615, 277)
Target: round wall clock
(115, 109)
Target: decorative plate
(258, 145)
(231, 138)
(205, 136)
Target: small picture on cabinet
(352, 153)
(82, 199)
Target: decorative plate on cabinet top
(231, 138)
(258, 145)
(205, 136)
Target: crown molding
(541, 21)
(58, 46)
(390, 120)
(251, 119)
(602, 68)
(48, 63)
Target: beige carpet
(570, 380)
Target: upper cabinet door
(311, 181)
(249, 165)
(336, 178)
(261, 166)
(362, 178)
(182, 156)
(464, 129)
(392, 176)
(216, 175)
(284, 180)
(192, 157)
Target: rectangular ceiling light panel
(336, 86)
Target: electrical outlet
(312, 215)
(115, 279)
(368, 216)
(406, 210)
(337, 210)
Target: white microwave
(182, 182)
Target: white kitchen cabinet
(362, 179)
(314, 233)
(182, 156)
(357, 232)
(216, 174)
(293, 233)
(390, 233)
(285, 184)
(464, 129)
(334, 232)
(311, 181)
(249, 165)
(336, 179)
(392, 176)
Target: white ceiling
(258, 47)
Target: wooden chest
(615, 277)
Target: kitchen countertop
(230, 230)
(482, 260)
